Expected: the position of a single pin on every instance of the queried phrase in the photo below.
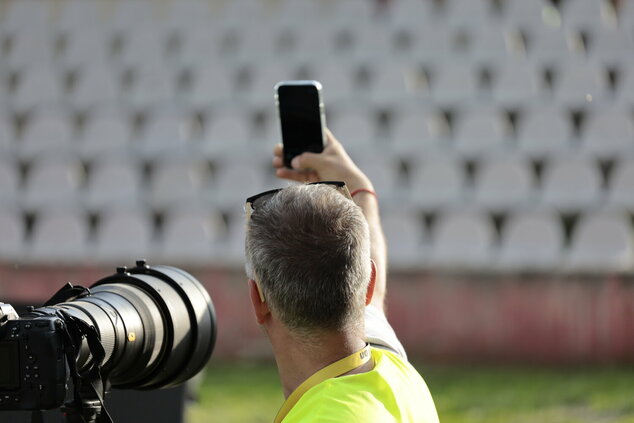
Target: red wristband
(369, 191)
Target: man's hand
(333, 164)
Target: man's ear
(370, 292)
(259, 306)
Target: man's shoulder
(392, 392)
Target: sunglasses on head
(253, 201)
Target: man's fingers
(278, 162)
(278, 150)
(295, 175)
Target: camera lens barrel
(156, 324)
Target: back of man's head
(308, 247)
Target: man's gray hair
(308, 247)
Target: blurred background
(499, 135)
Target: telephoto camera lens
(157, 326)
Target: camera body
(33, 370)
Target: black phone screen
(300, 120)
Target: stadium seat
(106, 133)
(405, 237)
(166, 134)
(481, 131)
(587, 13)
(531, 242)
(81, 16)
(571, 184)
(52, 183)
(370, 43)
(544, 132)
(46, 134)
(408, 13)
(38, 87)
(264, 76)
(468, 12)
(581, 85)
(494, 44)
(384, 174)
(416, 130)
(151, 88)
(114, 182)
(30, 48)
(137, 14)
(396, 83)
(609, 134)
(504, 184)
(355, 128)
(625, 87)
(236, 176)
(97, 85)
(176, 182)
(124, 233)
(85, 46)
(143, 47)
(611, 45)
(547, 45)
(461, 241)
(517, 84)
(229, 133)
(12, 233)
(432, 41)
(9, 182)
(453, 85)
(602, 242)
(212, 84)
(26, 16)
(198, 44)
(525, 13)
(60, 236)
(337, 78)
(192, 236)
(621, 191)
(437, 183)
(7, 140)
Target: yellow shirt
(392, 392)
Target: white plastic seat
(531, 241)
(355, 128)
(12, 234)
(60, 236)
(544, 132)
(504, 184)
(25, 16)
(6, 137)
(454, 84)
(431, 41)
(516, 84)
(186, 15)
(142, 46)
(52, 183)
(571, 184)
(416, 130)
(30, 48)
(45, 134)
(625, 88)
(405, 238)
(97, 85)
(384, 174)
(481, 131)
(609, 134)
(586, 13)
(371, 43)
(122, 234)
(580, 85)
(468, 12)
(228, 132)
(437, 183)
(612, 45)
(408, 13)
(105, 134)
(79, 15)
(39, 86)
(85, 46)
(234, 177)
(113, 183)
(213, 83)
(176, 182)
(621, 191)
(134, 14)
(165, 134)
(394, 83)
(9, 182)
(192, 236)
(461, 241)
(155, 87)
(494, 43)
(198, 45)
(525, 13)
(546, 44)
(602, 242)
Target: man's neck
(297, 360)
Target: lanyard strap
(335, 369)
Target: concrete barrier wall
(537, 318)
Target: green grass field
(250, 393)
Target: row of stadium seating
(529, 241)
(438, 183)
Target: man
(316, 263)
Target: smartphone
(302, 117)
